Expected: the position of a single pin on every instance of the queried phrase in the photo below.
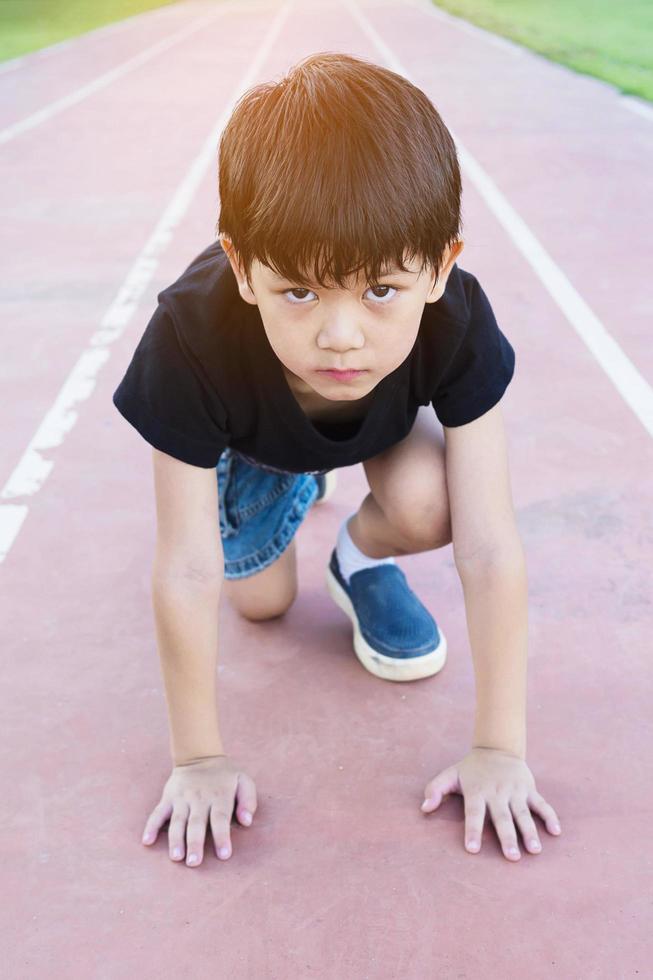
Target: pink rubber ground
(341, 875)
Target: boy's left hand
(504, 783)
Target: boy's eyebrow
(385, 271)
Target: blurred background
(609, 39)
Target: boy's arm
(186, 618)
(496, 610)
(187, 578)
(490, 561)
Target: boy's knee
(422, 528)
(267, 594)
(261, 612)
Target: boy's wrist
(510, 750)
(199, 758)
(515, 745)
(183, 757)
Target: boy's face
(361, 327)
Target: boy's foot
(395, 636)
(326, 484)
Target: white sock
(350, 558)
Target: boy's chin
(340, 391)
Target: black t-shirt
(204, 376)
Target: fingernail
(513, 851)
(224, 852)
(472, 845)
(192, 858)
(176, 852)
(535, 844)
(425, 804)
(247, 817)
(147, 838)
(556, 827)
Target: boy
(338, 238)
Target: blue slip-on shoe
(326, 484)
(395, 636)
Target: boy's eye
(384, 296)
(297, 289)
(299, 300)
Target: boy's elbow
(188, 573)
(506, 556)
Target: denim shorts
(260, 511)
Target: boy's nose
(341, 335)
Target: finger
(445, 782)
(505, 827)
(474, 819)
(524, 820)
(177, 832)
(537, 802)
(155, 821)
(246, 801)
(220, 824)
(195, 834)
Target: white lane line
(496, 40)
(631, 385)
(10, 65)
(631, 102)
(30, 57)
(48, 111)
(33, 468)
(637, 105)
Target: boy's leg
(268, 593)
(271, 592)
(395, 635)
(407, 509)
(260, 511)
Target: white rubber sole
(331, 482)
(387, 668)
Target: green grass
(609, 39)
(26, 25)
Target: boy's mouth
(341, 375)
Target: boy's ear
(438, 288)
(244, 288)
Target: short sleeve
(164, 394)
(479, 371)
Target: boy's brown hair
(341, 165)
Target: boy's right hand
(210, 790)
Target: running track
(108, 189)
